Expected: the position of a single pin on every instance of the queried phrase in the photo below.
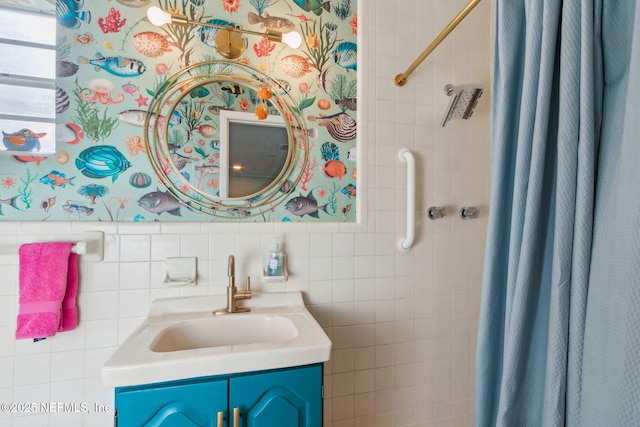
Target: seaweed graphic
(181, 35)
(160, 86)
(332, 199)
(207, 67)
(227, 99)
(260, 5)
(63, 49)
(343, 10)
(192, 112)
(110, 212)
(87, 116)
(342, 88)
(25, 191)
(175, 140)
(319, 42)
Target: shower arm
(401, 79)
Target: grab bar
(405, 155)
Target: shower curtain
(559, 329)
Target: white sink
(182, 338)
(219, 331)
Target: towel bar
(90, 245)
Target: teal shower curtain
(559, 330)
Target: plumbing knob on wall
(470, 212)
(436, 212)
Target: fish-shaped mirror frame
(164, 104)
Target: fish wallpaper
(111, 65)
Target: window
(27, 81)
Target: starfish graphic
(141, 101)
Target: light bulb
(293, 39)
(158, 16)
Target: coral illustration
(180, 35)
(332, 199)
(112, 22)
(343, 10)
(264, 48)
(25, 191)
(231, 5)
(192, 113)
(319, 41)
(93, 191)
(330, 151)
(307, 172)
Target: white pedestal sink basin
(225, 330)
(182, 338)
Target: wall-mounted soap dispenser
(275, 269)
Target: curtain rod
(401, 79)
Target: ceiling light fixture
(228, 40)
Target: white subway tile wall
(403, 325)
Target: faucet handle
(245, 293)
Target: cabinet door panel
(287, 398)
(172, 405)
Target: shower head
(463, 100)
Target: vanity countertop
(182, 338)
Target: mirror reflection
(218, 143)
(253, 152)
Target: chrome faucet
(233, 294)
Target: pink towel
(48, 288)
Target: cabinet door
(178, 404)
(285, 398)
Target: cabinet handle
(221, 419)
(236, 417)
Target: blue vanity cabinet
(284, 398)
(290, 397)
(174, 404)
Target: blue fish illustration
(315, 6)
(22, 140)
(349, 190)
(199, 92)
(69, 15)
(57, 179)
(102, 161)
(346, 55)
(208, 35)
(116, 65)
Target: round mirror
(224, 139)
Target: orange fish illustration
(29, 159)
(334, 168)
(57, 179)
